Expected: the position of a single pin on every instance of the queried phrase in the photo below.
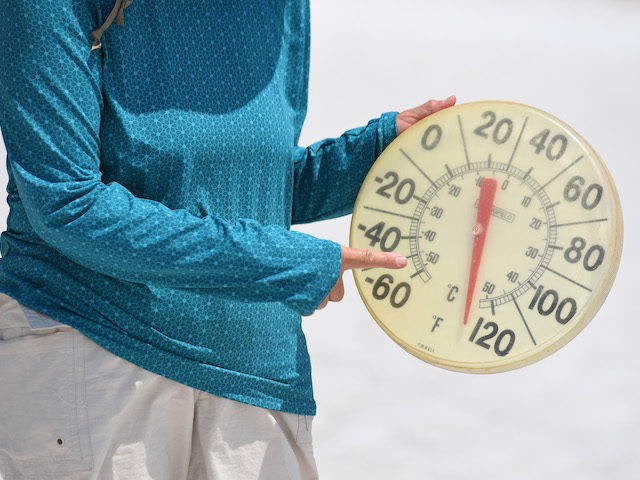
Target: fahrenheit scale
(513, 230)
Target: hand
(407, 118)
(356, 258)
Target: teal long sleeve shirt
(152, 184)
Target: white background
(384, 414)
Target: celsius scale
(512, 228)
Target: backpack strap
(117, 13)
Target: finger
(407, 118)
(323, 304)
(433, 106)
(337, 293)
(357, 258)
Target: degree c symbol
(453, 290)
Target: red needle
(485, 206)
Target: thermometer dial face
(512, 228)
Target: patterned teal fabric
(152, 184)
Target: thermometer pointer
(488, 189)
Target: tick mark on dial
(417, 272)
(448, 170)
(515, 302)
(379, 210)
(561, 172)
(418, 168)
(581, 223)
(567, 278)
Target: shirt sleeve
(50, 110)
(328, 174)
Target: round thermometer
(512, 228)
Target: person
(151, 287)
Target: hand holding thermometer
(547, 243)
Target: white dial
(512, 227)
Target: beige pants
(71, 410)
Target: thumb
(357, 258)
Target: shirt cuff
(328, 265)
(387, 131)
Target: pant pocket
(303, 431)
(44, 429)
